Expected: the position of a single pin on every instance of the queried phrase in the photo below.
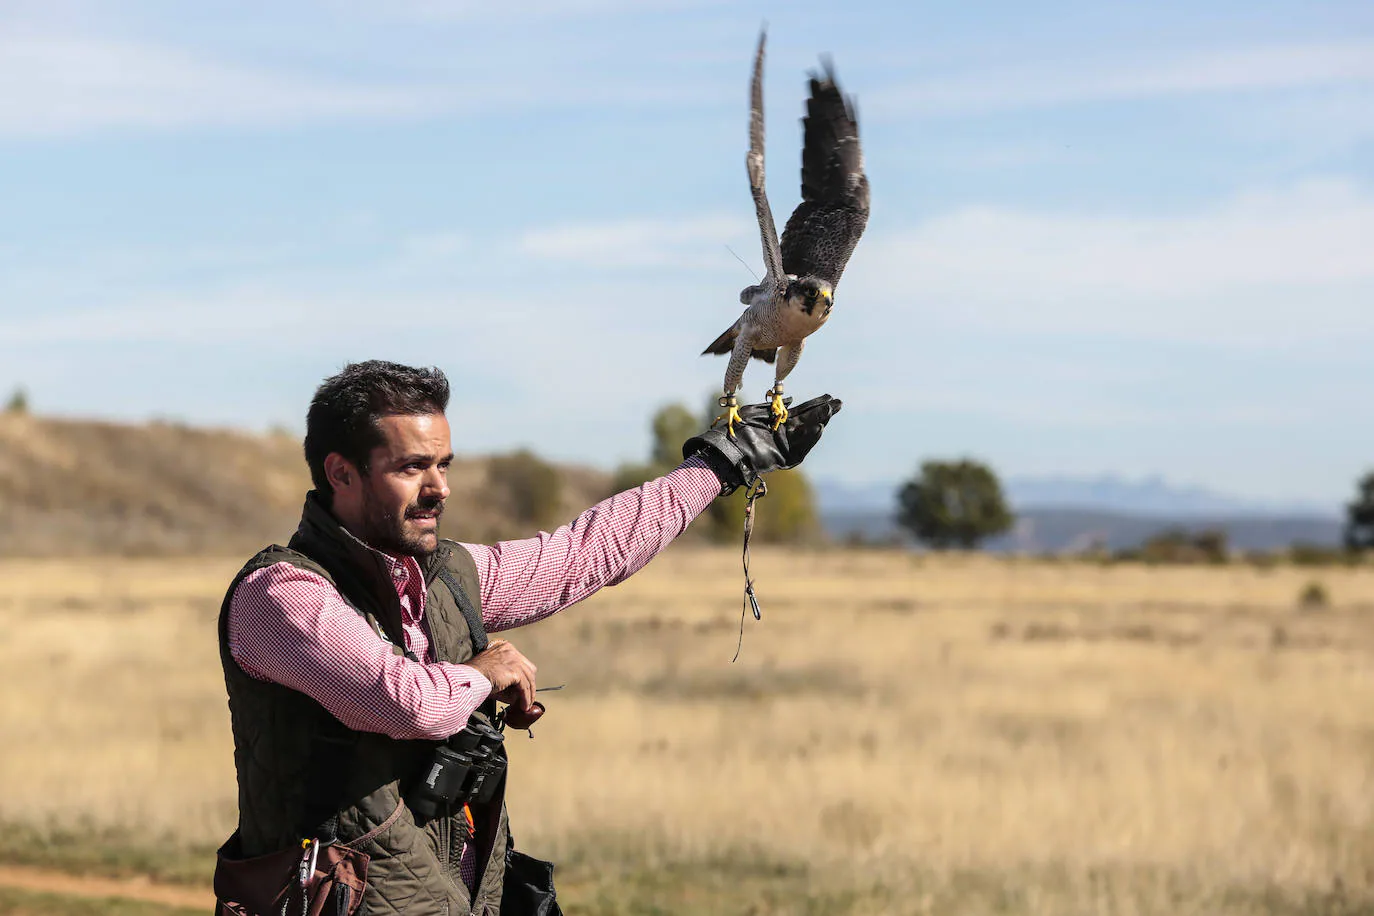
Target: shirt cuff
(698, 481)
(477, 681)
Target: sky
(1131, 239)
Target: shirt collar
(401, 568)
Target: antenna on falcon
(745, 263)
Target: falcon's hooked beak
(827, 299)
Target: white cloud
(58, 84)
(684, 242)
(976, 324)
(1123, 77)
(54, 81)
(531, 9)
(1296, 131)
(1264, 267)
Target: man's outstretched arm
(527, 580)
(524, 581)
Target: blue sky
(1106, 238)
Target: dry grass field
(899, 735)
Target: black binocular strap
(470, 612)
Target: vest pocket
(334, 878)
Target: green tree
(18, 402)
(672, 425)
(629, 476)
(1212, 544)
(1359, 516)
(953, 504)
(529, 486)
(787, 514)
(1178, 545)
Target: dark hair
(344, 412)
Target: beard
(387, 529)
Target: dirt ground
(50, 881)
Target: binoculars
(465, 770)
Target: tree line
(960, 504)
(946, 505)
(787, 515)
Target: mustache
(426, 505)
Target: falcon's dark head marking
(806, 293)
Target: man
(354, 652)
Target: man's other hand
(510, 673)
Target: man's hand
(510, 673)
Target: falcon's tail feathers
(726, 342)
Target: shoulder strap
(470, 613)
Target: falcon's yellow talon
(731, 415)
(777, 408)
(779, 411)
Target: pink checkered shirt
(291, 627)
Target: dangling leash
(756, 490)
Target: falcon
(798, 288)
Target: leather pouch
(270, 885)
(528, 887)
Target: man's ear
(339, 471)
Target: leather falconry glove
(757, 448)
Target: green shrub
(529, 487)
(1178, 545)
(1313, 597)
(786, 515)
(18, 402)
(953, 504)
(1302, 553)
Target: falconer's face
(395, 507)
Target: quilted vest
(414, 865)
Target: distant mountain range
(1107, 493)
(1150, 496)
(1058, 514)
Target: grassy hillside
(86, 487)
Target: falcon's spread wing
(823, 231)
(772, 256)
